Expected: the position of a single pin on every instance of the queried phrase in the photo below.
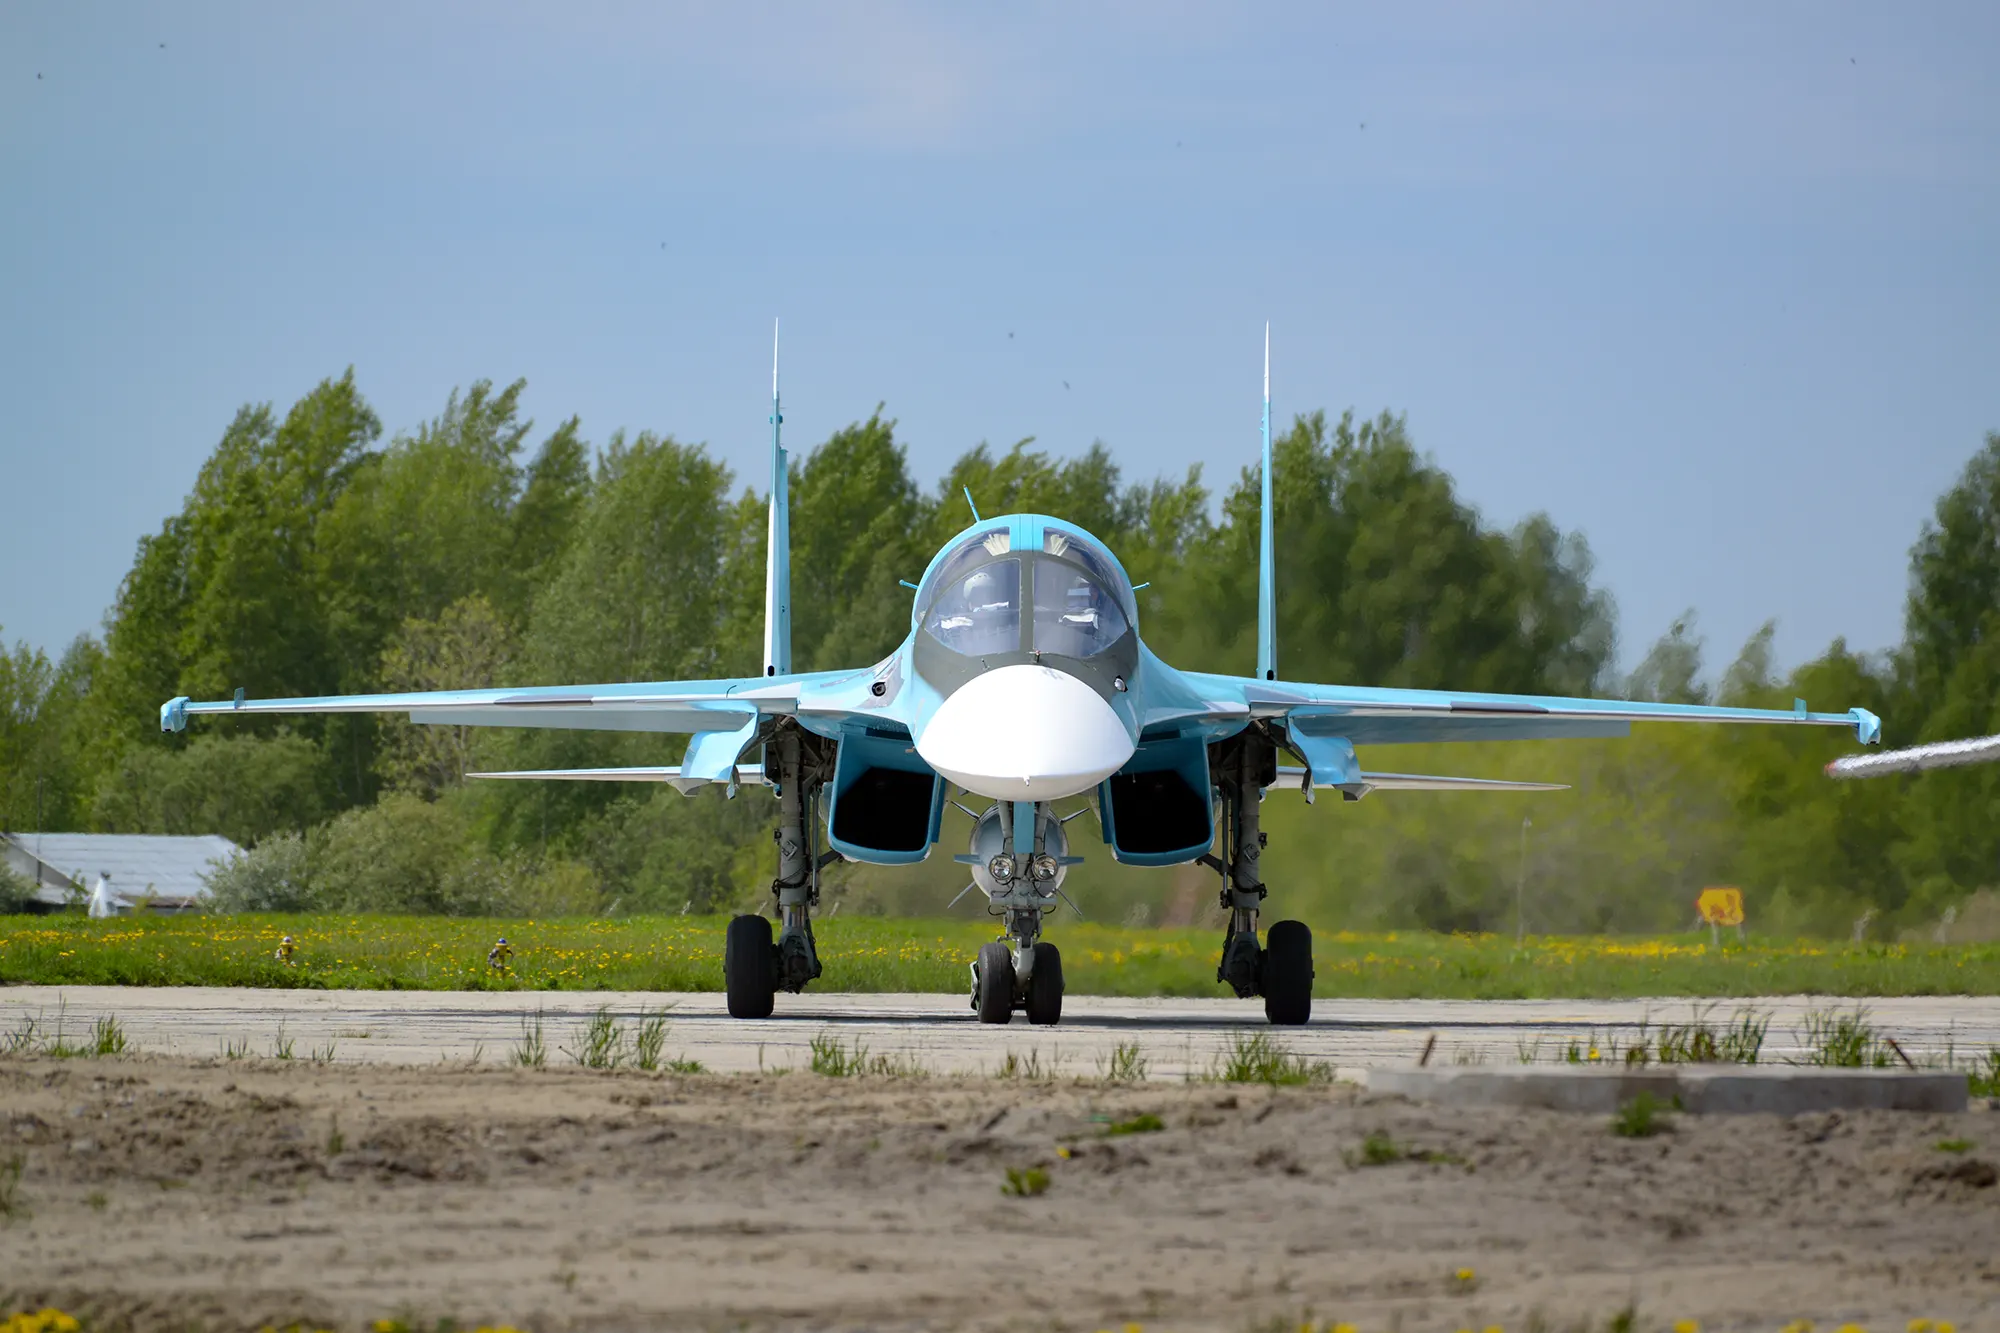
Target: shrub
(16, 890)
(243, 787)
(273, 876)
(402, 854)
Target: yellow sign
(1720, 907)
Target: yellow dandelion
(1920, 1326)
(1687, 1326)
(1946, 1326)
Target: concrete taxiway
(1175, 1037)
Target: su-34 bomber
(1023, 683)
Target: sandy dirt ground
(166, 1193)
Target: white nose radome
(1025, 733)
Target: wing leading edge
(664, 706)
(1394, 716)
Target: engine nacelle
(887, 804)
(1157, 809)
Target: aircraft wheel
(749, 967)
(1288, 973)
(1045, 987)
(996, 983)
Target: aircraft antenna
(778, 547)
(1267, 593)
(974, 507)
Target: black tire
(996, 983)
(1288, 973)
(749, 967)
(1045, 987)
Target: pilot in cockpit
(1080, 604)
(983, 599)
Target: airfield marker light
(1001, 867)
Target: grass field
(875, 954)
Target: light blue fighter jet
(1023, 682)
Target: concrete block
(1702, 1089)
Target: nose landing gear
(1019, 856)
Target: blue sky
(1714, 284)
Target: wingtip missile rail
(1917, 758)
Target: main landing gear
(1281, 970)
(754, 965)
(1019, 856)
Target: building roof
(138, 863)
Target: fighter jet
(1024, 683)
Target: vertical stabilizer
(1267, 592)
(778, 547)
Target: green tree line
(314, 557)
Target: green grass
(1984, 1078)
(1641, 1118)
(1258, 1057)
(885, 954)
(1025, 1182)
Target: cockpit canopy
(1079, 604)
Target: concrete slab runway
(1177, 1037)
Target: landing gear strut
(754, 968)
(1019, 856)
(1281, 971)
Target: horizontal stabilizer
(745, 773)
(1367, 782)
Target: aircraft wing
(662, 706)
(723, 716)
(1364, 716)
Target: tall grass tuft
(1701, 1042)
(1124, 1065)
(107, 1037)
(1028, 1068)
(834, 1060)
(1258, 1057)
(650, 1040)
(600, 1043)
(531, 1051)
(1844, 1040)
(1984, 1078)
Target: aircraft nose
(1025, 733)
